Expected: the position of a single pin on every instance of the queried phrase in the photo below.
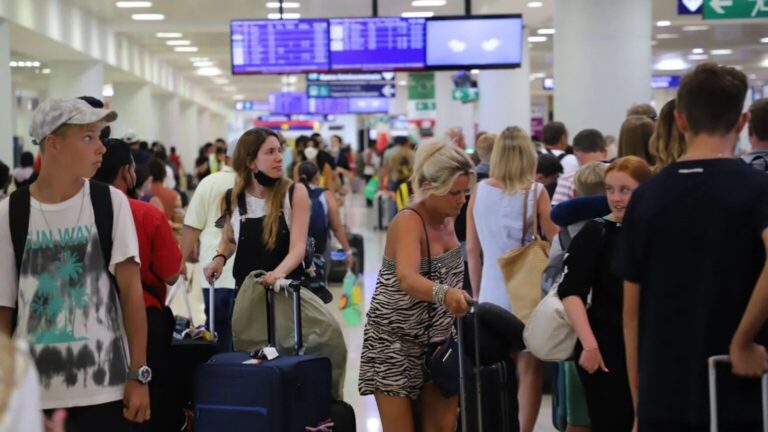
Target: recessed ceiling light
(286, 5)
(133, 4)
(721, 52)
(276, 16)
(671, 64)
(238, 97)
(178, 42)
(667, 36)
(197, 59)
(663, 23)
(764, 40)
(147, 17)
(209, 71)
(695, 28)
(12, 64)
(698, 57)
(538, 75)
(546, 31)
(425, 14)
(698, 50)
(535, 4)
(45, 71)
(203, 63)
(167, 35)
(428, 3)
(220, 81)
(474, 71)
(537, 38)
(186, 49)
(107, 90)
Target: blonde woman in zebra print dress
(412, 309)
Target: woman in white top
(494, 228)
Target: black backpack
(759, 162)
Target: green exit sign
(735, 9)
(466, 94)
(426, 106)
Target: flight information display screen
(377, 44)
(288, 103)
(279, 46)
(477, 42)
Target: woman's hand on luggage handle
(591, 360)
(213, 269)
(457, 301)
(749, 360)
(271, 278)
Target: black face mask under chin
(265, 180)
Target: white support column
(602, 61)
(70, 79)
(133, 103)
(505, 96)
(7, 105)
(168, 124)
(204, 125)
(451, 113)
(190, 142)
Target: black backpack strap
(565, 239)
(228, 202)
(18, 206)
(103, 214)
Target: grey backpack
(556, 262)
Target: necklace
(79, 214)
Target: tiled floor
(361, 220)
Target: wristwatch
(143, 374)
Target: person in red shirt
(160, 257)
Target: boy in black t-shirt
(693, 252)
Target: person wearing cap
(140, 156)
(204, 210)
(87, 329)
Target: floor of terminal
(361, 220)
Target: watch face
(145, 374)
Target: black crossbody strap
(103, 215)
(18, 206)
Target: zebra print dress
(396, 332)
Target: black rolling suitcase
(358, 249)
(381, 212)
(490, 403)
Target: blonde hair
(246, 151)
(513, 160)
(440, 163)
(635, 138)
(484, 146)
(668, 142)
(590, 179)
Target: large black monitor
(377, 44)
(279, 46)
(485, 41)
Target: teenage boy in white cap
(83, 317)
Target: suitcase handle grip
(713, 416)
(293, 287)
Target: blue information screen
(377, 44)
(279, 46)
(288, 103)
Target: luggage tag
(266, 353)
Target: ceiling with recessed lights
(193, 37)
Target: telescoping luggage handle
(462, 379)
(294, 287)
(713, 417)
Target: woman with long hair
(412, 309)
(495, 227)
(267, 217)
(668, 141)
(588, 274)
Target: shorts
(390, 366)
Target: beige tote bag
(522, 268)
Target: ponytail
(307, 172)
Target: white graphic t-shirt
(68, 308)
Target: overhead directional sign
(465, 94)
(735, 9)
(346, 85)
(689, 7)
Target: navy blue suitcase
(286, 394)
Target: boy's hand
(136, 401)
(749, 360)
